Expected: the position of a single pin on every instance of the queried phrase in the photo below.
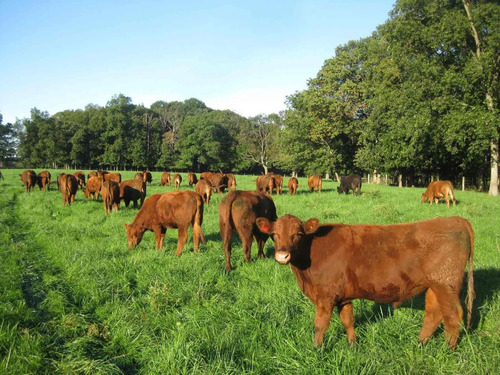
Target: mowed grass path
(74, 299)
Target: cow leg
(197, 235)
(181, 239)
(432, 317)
(226, 233)
(159, 236)
(452, 311)
(347, 318)
(261, 241)
(321, 321)
(246, 238)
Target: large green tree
(8, 142)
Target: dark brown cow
(265, 183)
(80, 177)
(110, 192)
(238, 210)
(218, 180)
(335, 264)
(353, 182)
(68, 186)
(116, 177)
(192, 179)
(293, 184)
(231, 181)
(314, 182)
(29, 179)
(278, 180)
(149, 177)
(177, 209)
(43, 180)
(132, 190)
(93, 187)
(1, 176)
(439, 189)
(165, 179)
(177, 181)
(204, 188)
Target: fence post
(463, 183)
(368, 181)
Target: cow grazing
(110, 192)
(116, 177)
(80, 177)
(165, 179)
(177, 181)
(353, 182)
(93, 187)
(132, 190)
(293, 184)
(29, 179)
(439, 189)
(335, 264)
(238, 210)
(315, 182)
(218, 180)
(68, 186)
(177, 209)
(204, 188)
(192, 179)
(231, 181)
(265, 184)
(43, 180)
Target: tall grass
(74, 299)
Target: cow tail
(229, 225)
(470, 278)
(198, 219)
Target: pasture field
(75, 300)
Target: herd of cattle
(334, 264)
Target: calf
(439, 189)
(93, 187)
(353, 182)
(315, 182)
(293, 184)
(238, 210)
(132, 190)
(68, 186)
(177, 209)
(335, 264)
(204, 188)
(110, 196)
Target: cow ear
(310, 226)
(264, 225)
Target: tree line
(417, 98)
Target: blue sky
(246, 56)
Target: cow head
(425, 198)
(287, 233)
(134, 235)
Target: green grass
(74, 299)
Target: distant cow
(68, 186)
(231, 181)
(204, 188)
(93, 187)
(116, 177)
(278, 180)
(80, 177)
(238, 210)
(335, 264)
(315, 182)
(1, 176)
(43, 180)
(265, 183)
(29, 179)
(353, 182)
(165, 179)
(218, 180)
(177, 181)
(293, 184)
(439, 189)
(177, 209)
(110, 192)
(132, 190)
(149, 177)
(144, 176)
(192, 179)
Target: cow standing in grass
(439, 189)
(29, 179)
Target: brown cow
(110, 196)
(231, 181)
(336, 263)
(278, 181)
(437, 190)
(116, 177)
(293, 184)
(192, 179)
(80, 177)
(149, 177)
(68, 186)
(29, 179)
(314, 182)
(1, 176)
(265, 183)
(93, 187)
(238, 210)
(177, 209)
(43, 180)
(92, 174)
(132, 190)
(165, 179)
(218, 180)
(204, 188)
(177, 181)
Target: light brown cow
(177, 209)
(231, 181)
(278, 180)
(110, 196)
(293, 184)
(439, 189)
(204, 188)
(165, 179)
(218, 180)
(29, 179)
(335, 264)
(43, 180)
(93, 187)
(177, 181)
(68, 186)
(238, 210)
(265, 183)
(116, 177)
(132, 190)
(314, 182)
(192, 179)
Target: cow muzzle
(282, 257)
